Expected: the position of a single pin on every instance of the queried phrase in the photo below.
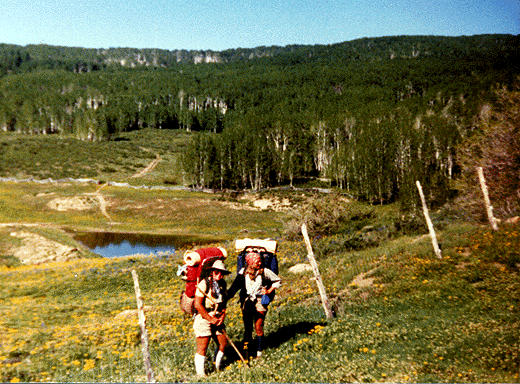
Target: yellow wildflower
(89, 364)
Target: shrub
(9, 261)
(410, 224)
(368, 237)
(170, 181)
(327, 215)
(502, 246)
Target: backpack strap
(206, 293)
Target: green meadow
(401, 313)
(61, 157)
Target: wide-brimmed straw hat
(218, 265)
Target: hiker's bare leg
(259, 329)
(222, 342)
(200, 354)
(259, 324)
(202, 345)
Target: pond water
(115, 244)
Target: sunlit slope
(401, 315)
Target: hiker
(211, 310)
(255, 284)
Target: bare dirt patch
(362, 280)
(131, 313)
(79, 203)
(300, 268)
(253, 203)
(36, 249)
(277, 205)
(356, 288)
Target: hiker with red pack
(211, 311)
(204, 297)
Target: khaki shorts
(203, 328)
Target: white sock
(199, 364)
(218, 360)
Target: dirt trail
(102, 203)
(148, 168)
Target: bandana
(254, 260)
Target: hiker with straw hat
(255, 284)
(211, 310)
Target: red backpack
(197, 263)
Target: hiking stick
(234, 346)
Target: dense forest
(370, 115)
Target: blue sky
(223, 24)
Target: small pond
(115, 244)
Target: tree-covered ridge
(372, 115)
(19, 59)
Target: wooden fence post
(314, 265)
(487, 202)
(144, 333)
(429, 222)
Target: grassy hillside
(56, 157)
(402, 315)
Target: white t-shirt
(254, 286)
